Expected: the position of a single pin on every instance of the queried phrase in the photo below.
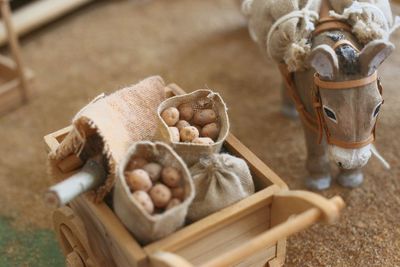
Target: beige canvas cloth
(118, 120)
(188, 151)
(145, 227)
(282, 28)
(219, 180)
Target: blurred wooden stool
(14, 78)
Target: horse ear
(325, 61)
(373, 54)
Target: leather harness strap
(329, 25)
(318, 124)
(343, 42)
(344, 84)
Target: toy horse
(337, 93)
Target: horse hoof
(319, 184)
(290, 111)
(350, 180)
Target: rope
(358, 8)
(380, 157)
(309, 17)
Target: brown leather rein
(319, 124)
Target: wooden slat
(117, 240)
(256, 165)
(214, 222)
(39, 13)
(226, 238)
(54, 139)
(293, 225)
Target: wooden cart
(251, 232)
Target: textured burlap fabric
(188, 151)
(145, 227)
(219, 180)
(118, 120)
(289, 42)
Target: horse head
(348, 96)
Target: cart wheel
(72, 237)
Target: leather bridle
(319, 124)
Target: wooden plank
(295, 224)
(256, 165)
(39, 13)
(226, 238)
(214, 222)
(54, 139)
(117, 240)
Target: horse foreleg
(288, 107)
(350, 178)
(317, 162)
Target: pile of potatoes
(186, 124)
(155, 187)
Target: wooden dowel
(70, 163)
(267, 239)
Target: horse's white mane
(282, 27)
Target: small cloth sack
(200, 99)
(144, 226)
(219, 180)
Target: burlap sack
(118, 120)
(188, 151)
(289, 42)
(219, 180)
(145, 227)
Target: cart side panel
(229, 237)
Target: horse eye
(377, 109)
(330, 114)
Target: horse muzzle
(349, 158)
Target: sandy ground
(195, 44)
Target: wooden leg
(15, 49)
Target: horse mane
(349, 63)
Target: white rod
(91, 176)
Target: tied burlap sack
(200, 99)
(113, 122)
(283, 28)
(145, 227)
(219, 180)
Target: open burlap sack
(118, 120)
(199, 99)
(283, 28)
(145, 227)
(219, 180)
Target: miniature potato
(170, 116)
(154, 171)
(161, 195)
(138, 180)
(174, 132)
(173, 203)
(171, 176)
(210, 130)
(203, 141)
(182, 124)
(136, 163)
(189, 133)
(186, 111)
(205, 116)
(178, 192)
(144, 200)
